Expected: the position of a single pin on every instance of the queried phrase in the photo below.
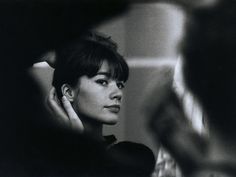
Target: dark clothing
(131, 159)
(121, 159)
(52, 151)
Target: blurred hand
(172, 129)
(64, 113)
(166, 166)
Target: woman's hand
(64, 115)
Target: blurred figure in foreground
(209, 70)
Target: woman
(89, 79)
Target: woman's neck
(93, 128)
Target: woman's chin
(111, 121)
(107, 119)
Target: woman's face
(99, 97)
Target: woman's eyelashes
(106, 82)
(120, 85)
(103, 82)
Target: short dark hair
(85, 57)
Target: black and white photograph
(118, 88)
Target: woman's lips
(113, 108)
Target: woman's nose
(116, 93)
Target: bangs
(118, 67)
(119, 70)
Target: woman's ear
(68, 91)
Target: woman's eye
(120, 85)
(102, 82)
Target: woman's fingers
(55, 107)
(74, 119)
(66, 116)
